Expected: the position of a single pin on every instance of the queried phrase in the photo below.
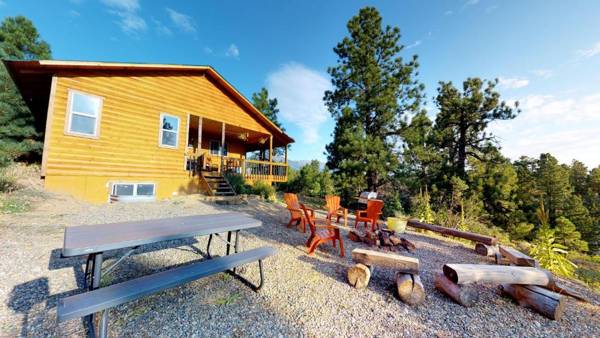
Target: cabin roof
(34, 78)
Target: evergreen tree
(578, 177)
(566, 234)
(463, 119)
(553, 184)
(19, 40)
(373, 88)
(267, 106)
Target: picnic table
(95, 240)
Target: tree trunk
(462, 151)
(387, 260)
(410, 288)
(548, 303)
(359, 275)
(486, 250)
(453, 232)
(517, 257)
(462, 295)
(472, 273)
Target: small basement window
(133, 192)
(84, 114)
(169, 131)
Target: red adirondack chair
(371, 215)
(332, 204)
(296, 213)
(321, 231)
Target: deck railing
(256, 170)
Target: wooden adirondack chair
(321, 231)
(296, 212)
(371, 215)
(332, 204)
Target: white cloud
(512, 82)
(414, 44)
(490, 9)
(543, 73)
(161, 29)
(127, 10)
(233, 51)
(207, 50)
(299, 91)
(589, 52)
(74, 13)
(566, 127)
(182, 21)
(471, 2)
(448, 12)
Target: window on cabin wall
(169, 131)
(214, 148)
(134, 191)
(84, 114)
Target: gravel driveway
(303, 296)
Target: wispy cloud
(567, 127)
(233, 51)
(414, 44)
(589, 52)
(74, 13)
(299, 91)
(471, 2)
(490, 9)
(543, 73)
(161, 29)
(448, 12)
(512, 82)
(127, 11)
(207, 50)
(182, 21)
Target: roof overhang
(34, 78)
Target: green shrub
(8, 181)
(264, 189)
(520, 231)
(238, 183)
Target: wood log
(387, 260)
(486, 250)
(354, 236)
(359, 275)
(463, 295)
(471, 273)
(395, 240)
(564, 290)
(410, 288)
(548, 303)
(501, 260)
(518, 258)
(453, 232)
(384, 239)
(408, 245)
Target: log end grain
(410, 288)
(359, 276)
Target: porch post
(286, 161)
(222, 152)
(200, 133)
(271, 158)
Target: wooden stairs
(217, 184)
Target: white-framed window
(134, 191)
(84, 112)
(215, 146)
(169, 131)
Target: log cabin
(126, 132)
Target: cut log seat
(453, 232)
(387, 260)
(472, 273)
(518, 258)
(548, 303)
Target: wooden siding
(127, 147)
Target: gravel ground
(303, 295)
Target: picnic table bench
(94, 240)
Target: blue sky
(545, 53)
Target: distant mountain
(297, 164)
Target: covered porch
(218, 147)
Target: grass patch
(588, 269)
(14, 204)
(227, 300)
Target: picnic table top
(88, 239)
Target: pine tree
(553, 183)
(566, 234)
(462, 122)
(373, 88)
(19, 40)
(267, 106)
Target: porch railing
(255, 170)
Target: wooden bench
(102, 299)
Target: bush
(8, 181)
(238, 183)
(264, 189)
